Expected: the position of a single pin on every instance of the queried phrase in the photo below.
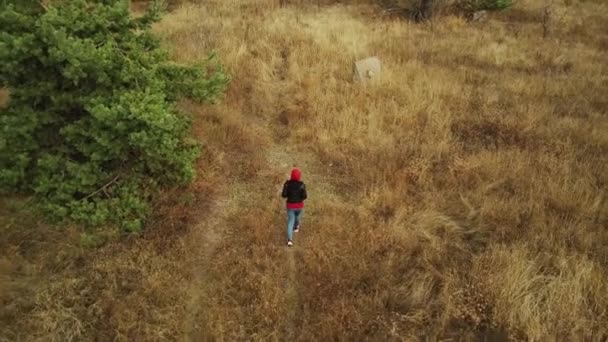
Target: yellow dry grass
(468, 180)
(3, 97)
(461, 194)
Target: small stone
(367, 69)
(480, 16)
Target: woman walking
(294, 191)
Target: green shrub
(488, 5)
(91, 128)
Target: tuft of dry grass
(543, 294)
(4, 96)
(461, 194)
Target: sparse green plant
(422, 10)
(486, 5)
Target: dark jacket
(294, 190)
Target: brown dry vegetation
(462, 194)
(3, 97)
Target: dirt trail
(291, 292)
(281, 156)
(206, 237)
(284, 159)
(210, 233)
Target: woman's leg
(291, 219)
(298, 218)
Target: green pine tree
(91, 128)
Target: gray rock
(367, 69)
(480, 16)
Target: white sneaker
(289, 244)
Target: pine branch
(103, 188)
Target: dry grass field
(461, 194)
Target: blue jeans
(294, 216)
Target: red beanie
(296, 174)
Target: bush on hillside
(422, 10)
(91, 127)
(425, 9)
(487, 5)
